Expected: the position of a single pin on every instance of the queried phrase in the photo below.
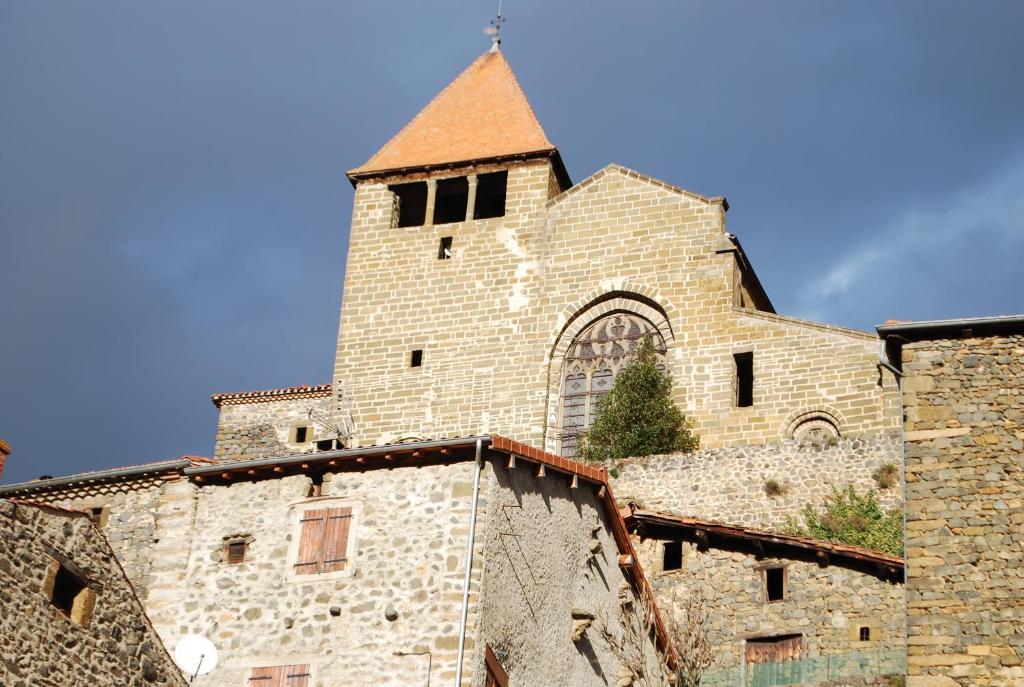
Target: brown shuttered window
(323, 543)
(280, 676)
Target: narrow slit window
(410, 204)
(744, 379)
(673, 558)
(775, 584)
(865, 634)
(444, 251)
(416, 358)
(450, 201)
(490, 195)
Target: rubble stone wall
(964, 401)
(728, 484)
(262, 429)
(39, 644)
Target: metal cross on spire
(494, 30)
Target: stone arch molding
(639, 301)
(824, 420)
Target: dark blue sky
(174, 210)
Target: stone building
(963, 391)
(808, 609)
(486, 294)
(421, 560)
(70, 616)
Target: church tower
(442, 262)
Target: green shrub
(637, 417)
(851, 518)
(887, 476)
(773, 487)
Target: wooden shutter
(280, 676)
(311, 541)
(335, 544)
(265, 677)
(296, 675)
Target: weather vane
(494, 30)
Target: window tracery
(592, 361)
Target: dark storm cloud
(174, 212)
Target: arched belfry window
(592, 361)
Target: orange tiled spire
(482, 114)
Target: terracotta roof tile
(482, 114)
(269, 395)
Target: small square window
(444, 251)
(69, 594)
(673, 559)
(774, 584)
(416, 358)
(235, 550)
(865, 634)
(302, 434)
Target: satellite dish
(195, 655)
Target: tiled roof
(269, 395)
(482, 114)
(639, 519)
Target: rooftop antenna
(494, 30)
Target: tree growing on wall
(637, 417)
(691, 639)
(851, 518)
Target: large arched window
(591, 364)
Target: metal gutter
(368, 452)
(100, 475)
(929, 328)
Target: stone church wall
(964, 402)
(728, 484)
(39, 645)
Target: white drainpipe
(469, 562)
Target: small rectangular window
(323, 541)
(416, 358)
(300, 434)
(744, 379)
(234, 551)
(411, 202)
(865, 634)
(70, 594)
(280, 676)
(673, 559)
(490, 195)
(450, 200)
(99, 515)
(775, 584)
(444, 251)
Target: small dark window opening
(327, 444)
(775, 584)
(300, 434)
(234, 551)
(450, 200)
(744, 379)
(316, 485)
(865, 634)
(416, 358)
(412, 203)
(673, 556)
(490, 195)
(444, 251)
(98, 515)
(67, 586)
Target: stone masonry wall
(406, 554)
(491, 319)
(728, 484)
(964, 435)
(39, 645)
(827, 605)
(540, 565)
(262, 429)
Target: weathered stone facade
(964, 431)
(728, 484)
(261, 425)
(110, 643)
(550, 266)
